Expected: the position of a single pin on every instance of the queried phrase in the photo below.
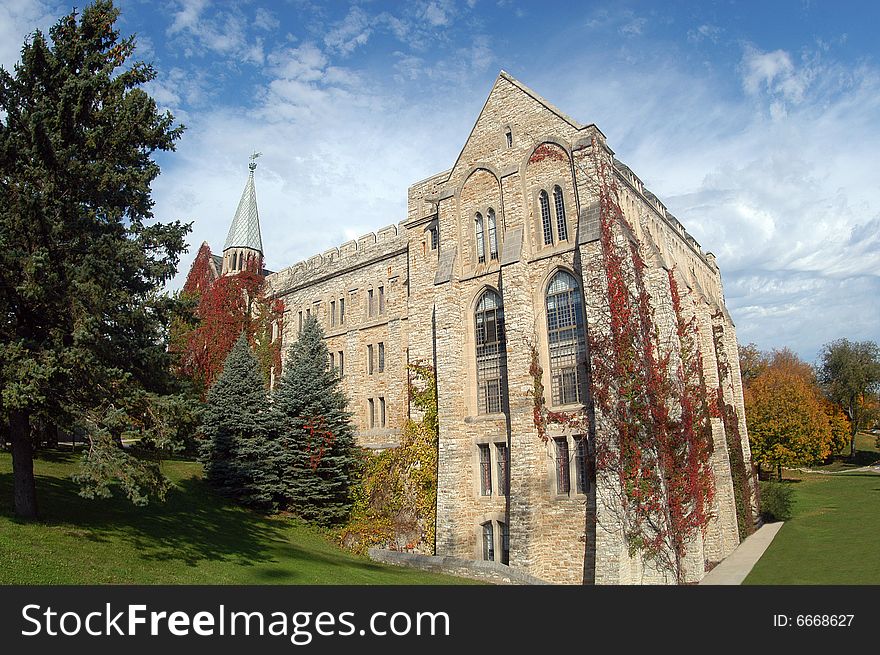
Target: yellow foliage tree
(786, 418)
(841, 428)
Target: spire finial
(253, 158)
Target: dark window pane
(485, 471)
(503, 458)
(563, 484)
(559, 201)
(488, 542)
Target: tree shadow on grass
(192, 525)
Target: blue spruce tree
(315, 437)
(239, 450)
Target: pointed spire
(245, 229)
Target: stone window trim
(565, 358)
(490, 352)
(547, 216)
(489, 484)
(495, 524)
(479, 236)
(487, 232)
(578, 465)
(484, 451)
(432, 235)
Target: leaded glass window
(481, 245)
(485, 470)
(493, 238)
(566, 339)
(544, 201)
(488, 542)
(563, 481)
(561, 226)
(491, 354)
(502, 455)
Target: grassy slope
(193, 538)
(832, 537)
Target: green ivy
(395, 491)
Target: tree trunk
(779, 471)
(24, 487)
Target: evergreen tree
(238, 449)
(316, 442)
(82, 318)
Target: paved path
(735, 568)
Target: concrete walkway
(736, 566)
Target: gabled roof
(245, 229)
(504, 76)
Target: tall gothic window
(488, 542)
(491, 354)
(481, 245)
(565, 337)
(544, 201)
(563, 480)
(493, 238)
(561, 226)
(502, 458)
(485, 470)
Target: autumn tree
(220, 310)
(316, 441)
(752, 362)
(82, 264)
(786, 419)
(850, 374)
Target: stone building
(492, 257)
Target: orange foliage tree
(223, 308)
(789, 422)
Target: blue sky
(756, 123)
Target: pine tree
(238, 449)
(82, 265)
(316, 442)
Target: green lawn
(832, 536)
(195, 537)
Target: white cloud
(776, 74)
(18, 20)
(266, 20)
(436, 14)
(353, 31)
(188, 16)
(704, 32)
(223, 31)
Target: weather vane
(253, 159)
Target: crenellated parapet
(351, 255)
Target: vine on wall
(395, 496)
(651, 400)
(742, 492)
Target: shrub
(775, 501)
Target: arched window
(491, 353)
(481, 246)
(544, 201)
(559, 201)
(566, 340)
(493, 238)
